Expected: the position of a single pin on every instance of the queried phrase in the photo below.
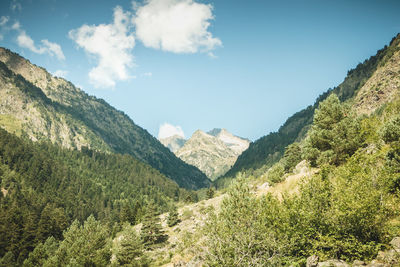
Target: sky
(175, 66)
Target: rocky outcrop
(214, 153)
(383, 86)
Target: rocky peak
(213, 152)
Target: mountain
(267, 150)
(214, 152)
(44, 107)
(237, 144)
(174, 143)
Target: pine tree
(130, 249)
(173, 216)
(335, 134)
(152, 232)
(83, 245)
(210, 192)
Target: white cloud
(167, 130)
(25, 41)
(179, 26)
(60, 73)
(16, 26)
(4, 20)
(53, 49)
(111, 44)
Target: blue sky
(241, 65)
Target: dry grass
(11, 124)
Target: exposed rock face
(44, 107)
(396, 244)
(214, 153)
(174, 143)
(234, 142)
(312, 261)
(383, 86)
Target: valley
(82, 184)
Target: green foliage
(42, 253)
(8, 260)
(210, 192)
(335, 133)
(292, 156)
(48, 187)
(240, 235)
(173, 216)
(152, 233)
(83, 245)
(129, 251)
(276, 174)
(342, 212)
(391, 130)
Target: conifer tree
(130, 249)
(173, 216)
(210, 192)
(152, 232)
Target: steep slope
(212, 153)
(45, 187)
(47, 107)
(384, 84)
(269, 149)
(174, 143)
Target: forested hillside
(45, 107)
(346, 210)
(44, 188)
(267, 150)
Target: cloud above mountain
(112, 46)
(178, 26)
(25, 41)
(167, 130)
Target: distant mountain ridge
(44, 107)
(213, 152)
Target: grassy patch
(11, 124)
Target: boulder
(395, 244)
(333, 263)
(312, 261)
(358, 263)
(376, 263)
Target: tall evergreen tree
(173, 216)
(152, 232)
(130, 249)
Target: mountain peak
(213, 152)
